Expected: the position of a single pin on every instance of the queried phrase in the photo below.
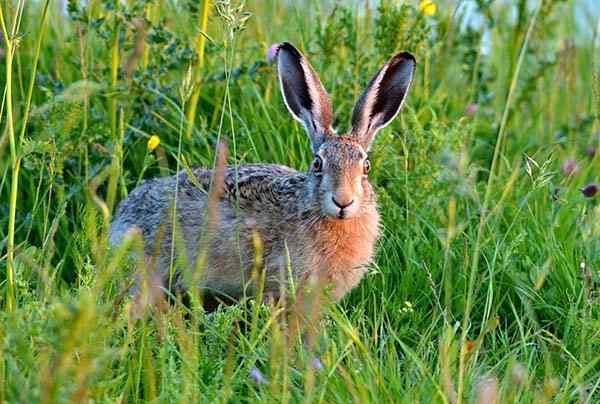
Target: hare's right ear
(304, 95)
(383, 98)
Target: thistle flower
(272, 52)
(471, 109)
(570, 168)
(427, 7)
(257, 376)
(590, 190)
(153, 142)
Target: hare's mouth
(340, 211)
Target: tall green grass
(485, 285)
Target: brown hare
(322, 223)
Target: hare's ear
(304, 94)
(383, 98)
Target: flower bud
(589, 190)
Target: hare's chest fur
(343, 248)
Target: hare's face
(340, 166)
(340, 169)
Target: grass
(486, 281)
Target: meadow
(486, 282)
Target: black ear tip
(404, 57)
(288, 47)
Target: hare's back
(145, 207)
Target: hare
(322, 223)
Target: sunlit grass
(486, 279)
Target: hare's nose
(342, 205)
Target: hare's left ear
(383, 98)
(304, 95)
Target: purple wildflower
(272, 52)
(471, 109)
(590, 151)
(257, 376)
(590, 190)
(570, 168)
(317, 364)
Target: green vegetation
(486, 283)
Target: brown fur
(347, 248)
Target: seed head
(551, 387)
(487, 391)
(518, 374)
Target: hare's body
(269, 219)
(267, 212)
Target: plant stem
(15, 161)
(112, 181)
(36, 59)
(200, 45)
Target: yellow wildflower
(153, 142)
(428, 7)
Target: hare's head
(339, 171)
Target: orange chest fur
(343, 245)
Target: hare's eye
(317, 164)
(366, 166)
